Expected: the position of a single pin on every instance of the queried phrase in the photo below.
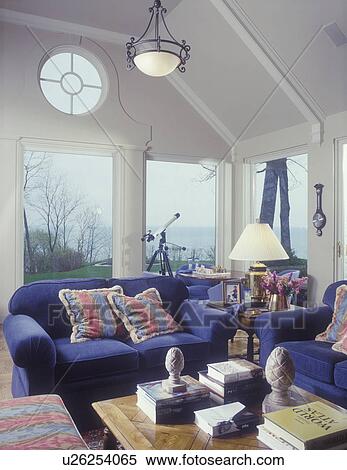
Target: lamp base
(254, 278)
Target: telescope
(162, 252)
(165, 226)
(149, 236)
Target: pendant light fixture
(157, 56)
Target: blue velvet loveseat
(319, 369)
(37, 331)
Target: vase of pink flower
(280, 289)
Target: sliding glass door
(341, 209)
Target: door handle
(339, 250)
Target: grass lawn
(88, 272)
(85, 272)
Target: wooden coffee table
(126, 423)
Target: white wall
(26, 116)
(321, 250)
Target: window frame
(187, 159)
(90, 57)
(249, 168)
(339, 224)
(78, 149)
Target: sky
(176, 187)
(89, 177)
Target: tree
(91, 238)
(276, 171)
(55, 205)
(34, 164)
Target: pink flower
(282, 285)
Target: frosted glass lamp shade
(157, 64)
(258, 243)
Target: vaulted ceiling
(256, 67)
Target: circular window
(72, 83)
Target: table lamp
(257, 242)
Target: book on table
(234, 371)
(231, 389)
(275, 442)
(311, 426)
(246, 398)
(228, 419)
(170, 408)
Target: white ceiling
(223, 72)
(123, 16)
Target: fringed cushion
(337, 329)
(90, 314)
(143, 315)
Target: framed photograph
(231, 292)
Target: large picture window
(281, 201)
(67, 216)
(189, 189)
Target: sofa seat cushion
(96, 358)
(314, 359)
(340, 375)
(152, 352)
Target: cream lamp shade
(258, 243)
(157, 64)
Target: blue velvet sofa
(319, 369)
(38, 331)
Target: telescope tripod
(161, 254)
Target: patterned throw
(143, 315)
(90, 314)
(337, 329)
(39, 422)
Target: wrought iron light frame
(157, 44)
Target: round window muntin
(94, 61)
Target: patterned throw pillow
(90, 314)
(338, 327)
(341, 346)
(143, 315)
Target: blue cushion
(40, 301)
(328, 391)
(314, 359)
(93, 359)
(330, 294)
(172, 291)
(153, 351)
(340, 374)
(198, 292)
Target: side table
(246, 322)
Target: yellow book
(310, 426)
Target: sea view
(203, 238)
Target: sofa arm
(210, 324)
(300, 324)
(29, 345)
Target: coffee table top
(135, 431)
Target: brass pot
(278, 302)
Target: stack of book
(234, 380)
(310, 426)
(166, 408)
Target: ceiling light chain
(157, 56)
